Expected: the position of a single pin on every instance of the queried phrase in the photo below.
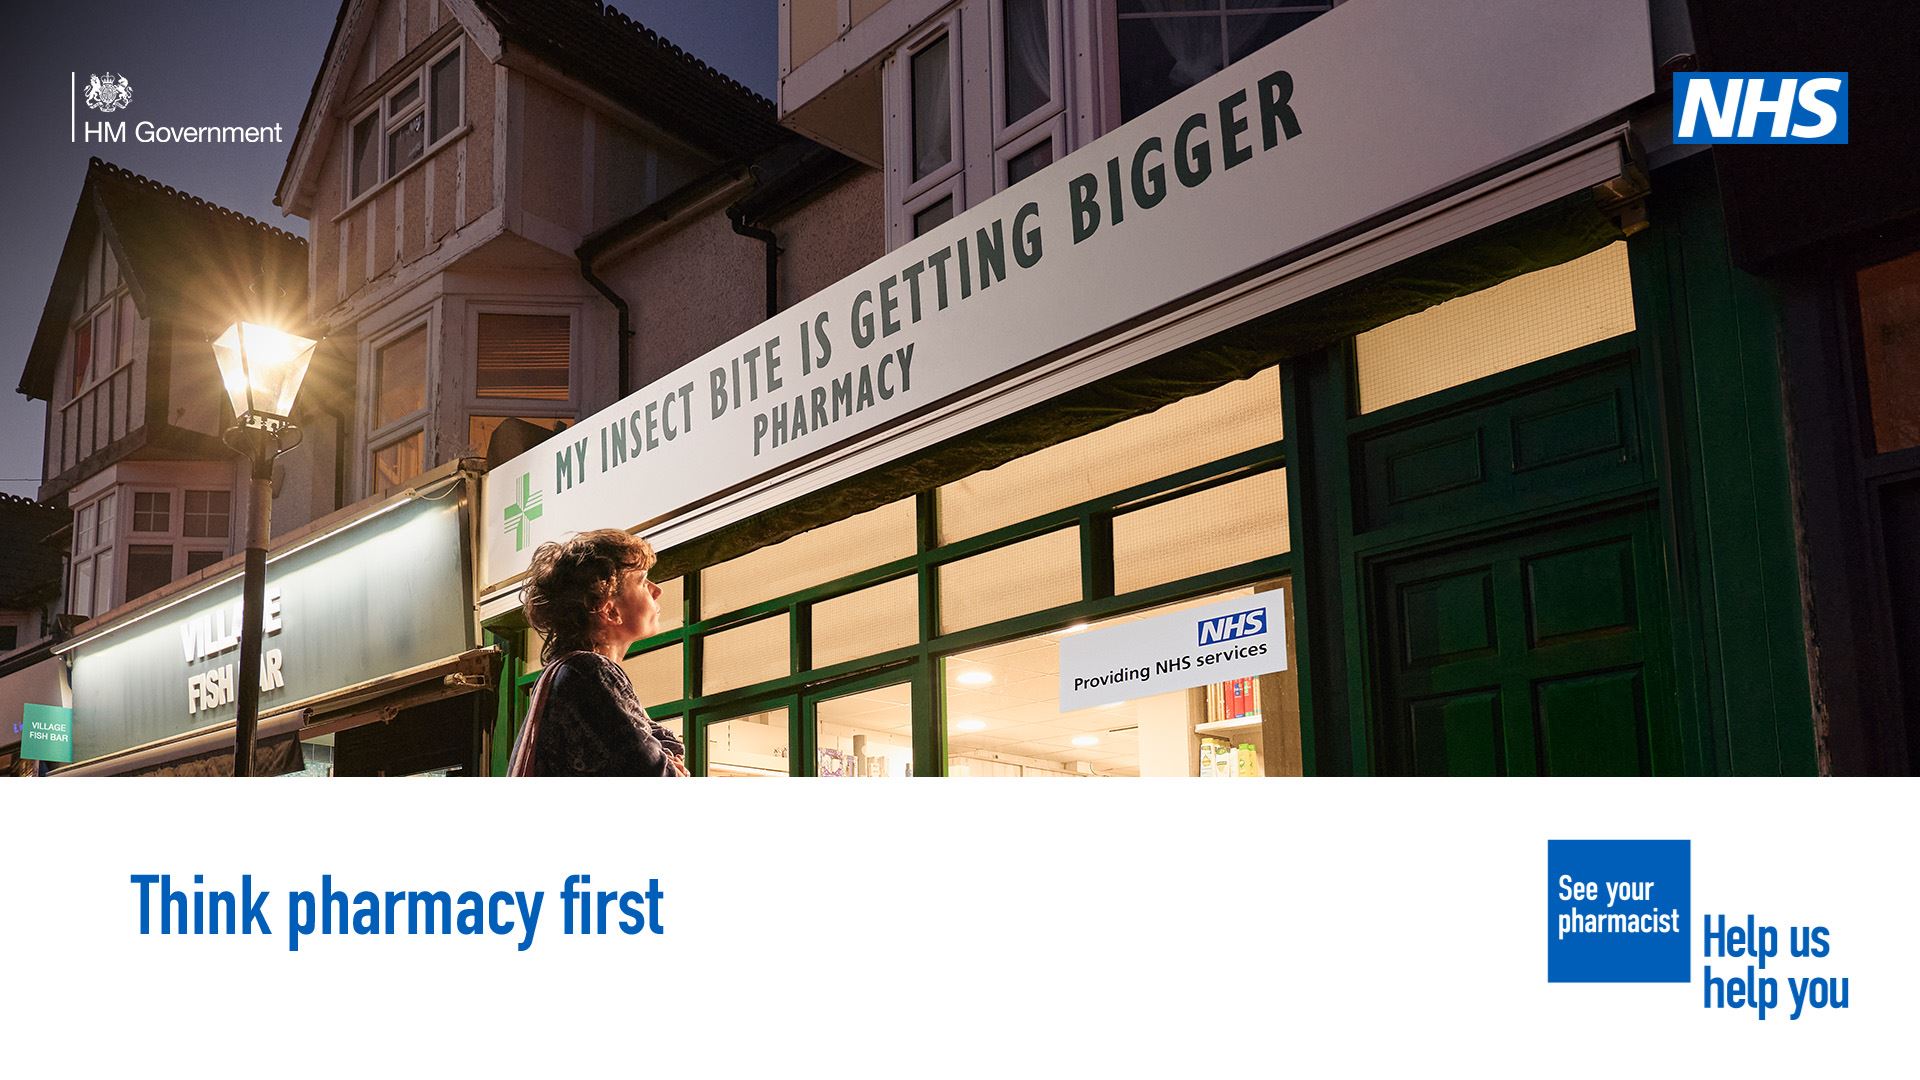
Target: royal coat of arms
(108, 92)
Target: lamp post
(262, 368)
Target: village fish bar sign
(382, 595)
(1367, 108)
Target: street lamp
(261, 368)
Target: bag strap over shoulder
(520, 761)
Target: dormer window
(409, 121)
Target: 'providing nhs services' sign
(1760, 107)
(1231, 639)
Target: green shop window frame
(919, 664)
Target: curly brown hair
(569, 579)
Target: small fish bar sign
(46, 733)
(1231, 639)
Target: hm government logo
(108, 92)
(523, 511)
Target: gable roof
(31, 571)
(585, 40)
(641, 70)
(183, 257)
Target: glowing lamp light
(1086, 740)
(262, 369)
(974, 678)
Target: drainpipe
(624, 343)
(739, 218)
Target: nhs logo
(1238, 625)
(1760, 107)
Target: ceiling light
(971, 724)
(1086, 740)
(974, 678)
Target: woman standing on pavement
(590, 597)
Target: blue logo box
(1760, 107)
(1619, 910)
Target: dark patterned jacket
(592, 724)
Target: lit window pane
(400, 378)
(1516, 322)
(673, 603)
(754, 745)
(812, 558)
(396, 465)
(1028, 162)
(523, 356)
(933, 217)
(658, 675)
(446, 96)
(1029, 576)
(864, 623)
(1025, 54)
(869, 734)
(932, 110)
(1215, 529)
(1004, 717)
(750, 654)
(1890, 332)
(1193, 431)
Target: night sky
(206, 62)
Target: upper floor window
(523, 356)
(1889, 301)
(1166, 46)
(977, 102)
(521, 365)
(410, 119)
(103, 340)
(396, 421)
(94, 525)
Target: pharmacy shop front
(1488, 430)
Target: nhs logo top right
(1760, 107)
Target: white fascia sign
(1232, 639)
(1355, 117)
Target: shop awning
(209, 751)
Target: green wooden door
(1538, 653)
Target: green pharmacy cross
(523, 512)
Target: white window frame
(175, 536)
(388, 120)
(398, 429)
(525, 408)
(1108, 19)
(108, 308)
(1056, 103)
(1054, 130)
(88, 550)
(907, 196)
